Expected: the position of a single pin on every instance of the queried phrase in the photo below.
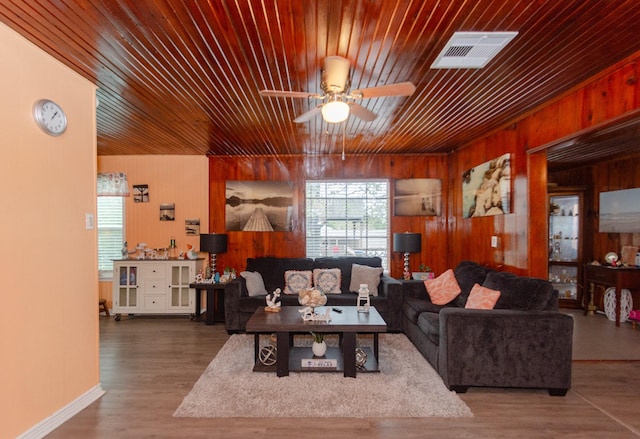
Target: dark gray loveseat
(523, 342)
(239, 306)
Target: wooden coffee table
(289, 321)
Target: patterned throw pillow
(482, 298)
(327, 280)
(443, 289)
(295, 280)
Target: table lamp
(213, 243)
(408, 243)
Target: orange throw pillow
(443, 289)
(482, 298)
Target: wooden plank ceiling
(182, 76)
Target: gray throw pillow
(363, 274)
(255, 284)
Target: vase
(319, 349)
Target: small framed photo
(168, 212)
(192, 226)
(140, 193)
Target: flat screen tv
(620, 211)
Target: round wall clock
(50, 117)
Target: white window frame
(355, 237)
(114, 224)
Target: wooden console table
(617, 277)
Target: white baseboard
(54, 421)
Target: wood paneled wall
(471, 237)
(298, 169)
(524, 233)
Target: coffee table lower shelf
(299, 353)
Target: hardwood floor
(148, 365)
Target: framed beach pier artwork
(259, 206)
(486, 189)
(417, 197)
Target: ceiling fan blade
(399, 89)
(362, 113)
(306, 117)
(287, 94)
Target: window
(348, 218)
(110, 226)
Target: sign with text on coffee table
(289, 321)
(328, 363)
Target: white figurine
(273, 301)
(308, 315)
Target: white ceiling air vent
(471, 50)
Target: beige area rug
(407, 386)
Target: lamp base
(406, 274)
(213, 264)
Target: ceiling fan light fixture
(335, 111)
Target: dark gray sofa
(239, 306)
(523, 342)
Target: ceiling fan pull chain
(344, 129)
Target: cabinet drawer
(153, 286)
(607, 275)
(153, 271)
(154, 301)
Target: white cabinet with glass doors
(154, 286)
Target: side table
(215, 301)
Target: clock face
(50, 117)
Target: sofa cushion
(272, 269)
(482, 298)
(344, 263)
(362, 274)
(521, 293)
(327, 280)
(443, 289)
(412, 308)
(468, 273)
(254, 282)
(297, 280)
(429, 323)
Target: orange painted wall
(48, 319)
(182, 180)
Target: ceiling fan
(336, 94)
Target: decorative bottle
(363, 298)
(173, 250)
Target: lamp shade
(407, 242)
(213, 243)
